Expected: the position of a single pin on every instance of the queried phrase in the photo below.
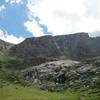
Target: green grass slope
(13, 92)
(17, 92)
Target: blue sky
(12, 19)
(20, 19)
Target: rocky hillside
(37, 50)
(69, 62)
(4, 45)
(65, 74)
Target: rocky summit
(37, 50)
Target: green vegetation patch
(17, 92)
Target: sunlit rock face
(64, 74)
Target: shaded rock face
(58, 75)
(35, 51)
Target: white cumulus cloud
(2, 7)
(64, 16)
(33, 27)
(10, 38)
(14, 1)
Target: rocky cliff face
(35, 51)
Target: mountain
(68, 64)
(37, 50)
(4, 45)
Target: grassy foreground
(14, 92)
(17, 92)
